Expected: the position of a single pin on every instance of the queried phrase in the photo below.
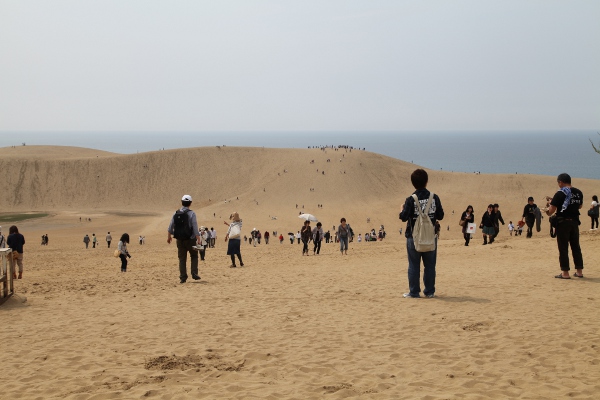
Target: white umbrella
(308, 217)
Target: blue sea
(526, 152)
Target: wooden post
(7, 270)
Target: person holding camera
(123, 253)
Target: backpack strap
(427, 206)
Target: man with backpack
(184, 227)
(421, 240)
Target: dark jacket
(498, 217)
(409, 214)
(469, 220)
(487, 219)
(16, 241)
(529, 211)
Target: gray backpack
(423, 232)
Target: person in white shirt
(511, 228)
(213, 237)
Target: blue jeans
(414, 269)
(343, 243)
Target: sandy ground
(293, 327)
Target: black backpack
(181, 225)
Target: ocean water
(527, 152)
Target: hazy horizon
(299, 66)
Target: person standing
(94, 240)
(266, 237)
(305, 234)
(343, 233)
(86, 240)
(511, 228)
(567, 202)
(487, 225)
(298, 236)
(595, 211)
(409, 214)
(213, 237)
(281, 238)
(469, 218)
(529, 216)
(16, 241)
(203, 242)
(184, 227)
(108, 239)
(123, 253)
(317, 236)
(234, 234)
(497, 220)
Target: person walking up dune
(487, 225)
(467, 218)
(529, 216)
(123, 253)
(234, 234)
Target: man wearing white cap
(184, 227)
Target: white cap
(186, 197)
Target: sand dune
(284, 326)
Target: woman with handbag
(467, 218)
(234, 234)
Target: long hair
(469, 206)
(125, 238)
(13, 229)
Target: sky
(338, 65)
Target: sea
(486, 152)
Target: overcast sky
(299, 65)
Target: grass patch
(20, 217)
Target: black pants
(567, 233)
(467, 237)
(317, 248)
(305, 247)
(108, 244)
(529, 222)
(183, 248)
(594, 219)
(123, 258)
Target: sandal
(560, 276)
(579, 276)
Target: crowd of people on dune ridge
(421, 211)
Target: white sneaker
(410, 295)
